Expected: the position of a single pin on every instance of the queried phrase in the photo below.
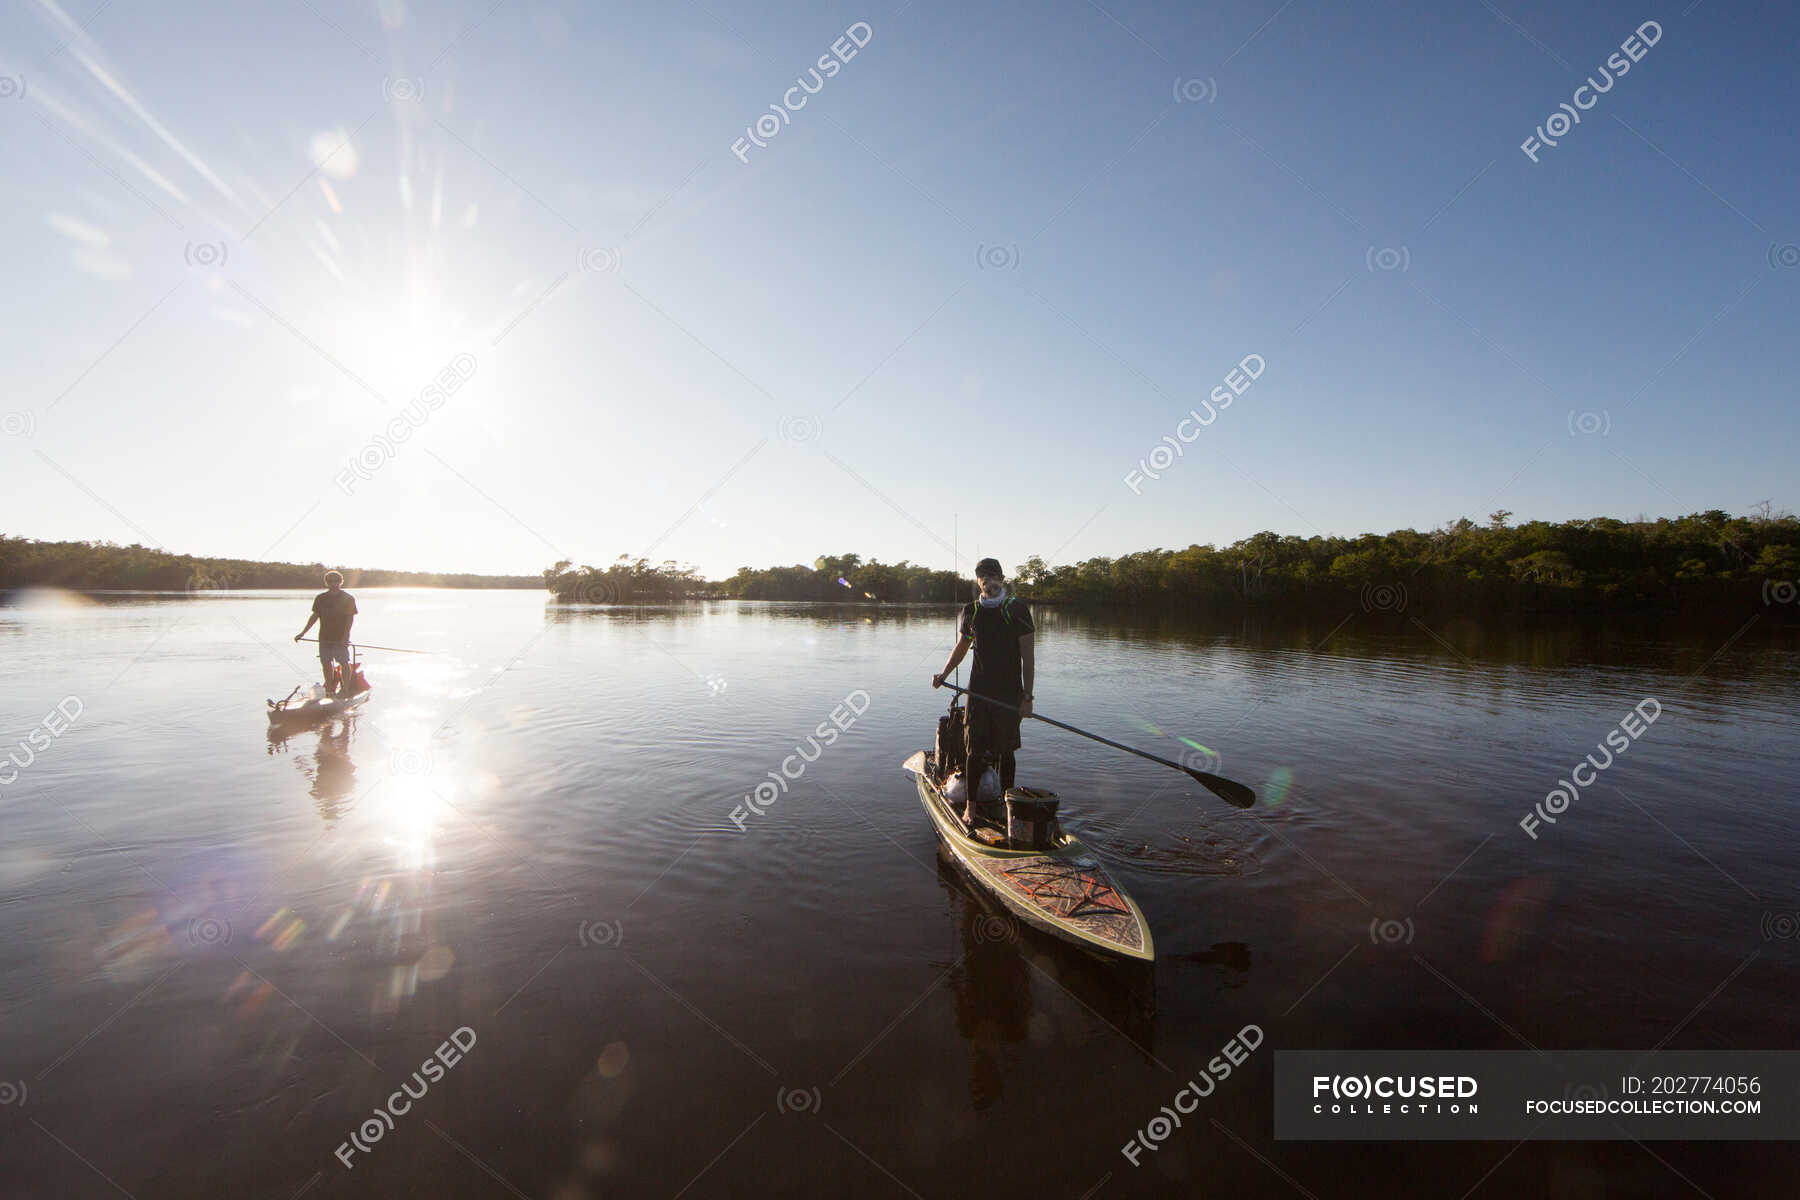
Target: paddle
(367, 646)
(1233, 793)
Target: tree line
(104, 566)
(1596, 564)
(844, 578)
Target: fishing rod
(1230, 791)
(369, 646)
(956, 565)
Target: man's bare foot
(968, 818)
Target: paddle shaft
(368, 646)
(1227, 790)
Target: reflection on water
(1004, 962)
(328, 769)
(391, 915)
(1232, 955)
(991, 989)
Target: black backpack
(952, 741)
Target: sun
(406, 343)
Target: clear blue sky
(967, 287)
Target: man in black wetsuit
(334, 609)
(998, 628)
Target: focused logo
(1394, 1095)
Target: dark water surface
(219, 954)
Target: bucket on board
(1031, 818)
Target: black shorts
(991, 729)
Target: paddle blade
(1228, 790)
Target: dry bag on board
(952, 742)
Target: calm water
(219, 953)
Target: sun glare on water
(410, 808)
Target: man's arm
(309, 624)
(1028, 660)
(956, 656)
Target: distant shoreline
(105, 566)
(1701, 563)
(7, 593)
(1706, 562)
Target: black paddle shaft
(1230, 791)
(367, 646)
